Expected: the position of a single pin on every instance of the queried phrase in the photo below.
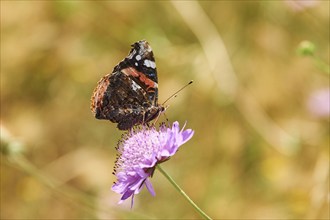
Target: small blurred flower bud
(8, 145)
(306, 48)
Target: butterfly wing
(128, 96)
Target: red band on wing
(129, 71)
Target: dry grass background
(257, 152)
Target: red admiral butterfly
(129, 95)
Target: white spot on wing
(138, 57)
(153, 64)
(146, 63)
(135, 86)
(136, 64)
(149, 63)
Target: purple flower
(319, 103)
(300, 5)
(140, 151)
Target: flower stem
(176, 186)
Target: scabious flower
(140, 151)
(318, 103)
(300, 5)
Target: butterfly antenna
(167, 121)
(176, 93)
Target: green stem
(177, 187)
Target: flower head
(319, 103)
(140, 151)
(300, 5)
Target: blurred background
(259, 106)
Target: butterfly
(129, 95)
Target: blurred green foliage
(270, 162)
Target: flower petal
(139, 152)
(187, 135)
(150, 188)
